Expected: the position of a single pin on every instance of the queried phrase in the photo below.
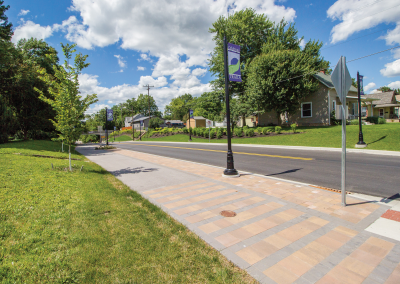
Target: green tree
(268, 85)
(68, 104)
(385, 89)
(147, 106)
(210, 105)
(8, 70)
(178, 107)
(32, 113)
(155, 122)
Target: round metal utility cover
(228, 213)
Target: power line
(352, 39)
(373, 54)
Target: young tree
(385, 89)
(179, 106)
(68, 104)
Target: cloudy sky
(165, 43)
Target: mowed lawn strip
(378, 137)
(88, 227)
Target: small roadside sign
(341, 79)
(209, 123)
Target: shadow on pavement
(133, 171)
(285, 172)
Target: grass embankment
(88, 227)
(378, 137)
(121, 138)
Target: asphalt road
(376, 175)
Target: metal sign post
(190, 116)
(109, 117)
(360, 91)
(342, 81)
(209, 130)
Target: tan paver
(355, 268)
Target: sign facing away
(341, 79)
(110, 115)
(234, 62)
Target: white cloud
(394, 85)
(144, 57)
(29, 29)
(375, 91)
(357, 15)
(23, 12)
(96, 108)
(141, 68)
(161, 26)
(162, 93)
(121, 61)
(198, 72)
(369, 86)
(391, 69)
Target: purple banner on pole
(361, 85)
(234, 62)
(191, 113)
(110, 115)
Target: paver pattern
(283, 232)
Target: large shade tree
(178, 107)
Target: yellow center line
(221, 151)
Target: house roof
(198, 117)
(383, 98)
(387, 105)
(141, 118)
(327, 81)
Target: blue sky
(166, 44)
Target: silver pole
(343, 80)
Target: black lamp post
(230, 169)
(106, 128)
(360, 143)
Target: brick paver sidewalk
(283, 232)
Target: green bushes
(220, 132)
(353, 122)
(293, 127)
(212, 133)
(278, 129)
(89, 138)
(376, 119)
(381, 120)
(249, 132)
(259, 130)
(265, 130)
(238, 132)
(185, 130)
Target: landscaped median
(378, 137)
(86, 226)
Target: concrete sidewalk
(283, 232)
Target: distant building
(174, 123)
(128, 119)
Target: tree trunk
(69, 150)
(279, 119)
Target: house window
(381, 112)
(306, 110)
(364, 111)
(333, 106)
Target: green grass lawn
(378, 137)
(121, 138)
(88, 227)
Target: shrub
(245, 127)
(270, 129)
(238, 132)
(212, 133)
(381, 120)
(220, 132)
(205, 133)
(353, 122)
(259, 130)
(278, 129)
(185, 130)
(164, 131)
(293, 127)
(250, 132)
(89, 138)
(265, 130)
(373, 119)
(155, 122)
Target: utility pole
(148, 94)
